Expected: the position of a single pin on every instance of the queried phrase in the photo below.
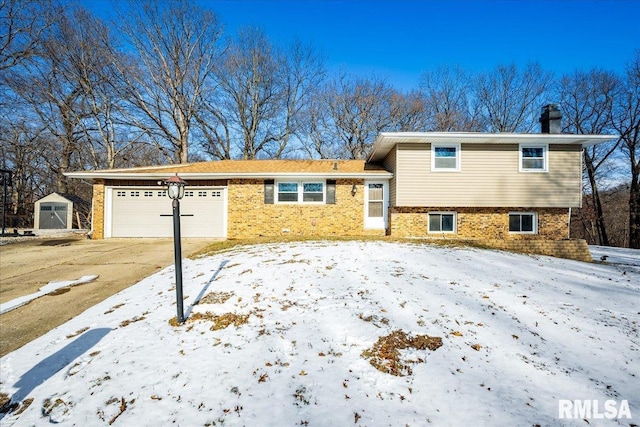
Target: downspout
(569, 230)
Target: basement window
(523, 222)
(442, 222)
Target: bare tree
(507, 99)
(347, 116)
(263, 89)
(627, 123)
(408, 112)
(176, 44)
(23, 24)
(446, 92)
(54, 85)
(587, 100)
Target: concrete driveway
(27, 266)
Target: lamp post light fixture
(175, 191)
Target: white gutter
(219, 175)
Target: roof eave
(213, 176)
(385, 141)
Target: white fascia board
(154, 175)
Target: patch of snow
(518, 332)
(45, 290)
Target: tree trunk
(634, 212)
(601, 228)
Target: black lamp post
(175, 190)
(6, 182)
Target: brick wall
(97, 215)
(479, 223)
(490, 227)
(249, 216)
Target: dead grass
(385, 354)
(229, 244)
(216, 298)
(221, 321)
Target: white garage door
(147, 212)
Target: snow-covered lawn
(305, 342)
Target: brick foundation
(479, 223)
(490, 227)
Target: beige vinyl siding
(489, 177)
(389, 164)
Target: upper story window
(300, 192)
(534, 157)
(445, 157)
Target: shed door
(147, 212)
(53, 216)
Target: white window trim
(458, 148)
(376, 222)
(545, 157)
(535, 222)
(455, 222)
(300, 191)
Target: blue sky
(398, 40)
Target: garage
(147, 212)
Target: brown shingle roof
(267, 166)
(231, 168)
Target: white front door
(376, 204)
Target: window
(533, 158)
(442, 222)
(148, 194)
(523, 222)
(287, 191)
(300, 192)
(216, 193)
(445, 157)
(135, 194)
(121, 193)
(202, 194)
(312, 192)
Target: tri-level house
(506, 190)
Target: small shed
(55, 211)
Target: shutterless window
(312, 192)
(526, 222)
(445, 158)
(533, 158)
(287, 191)
(376, 201)
(442, 222)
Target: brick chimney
(550, 119)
